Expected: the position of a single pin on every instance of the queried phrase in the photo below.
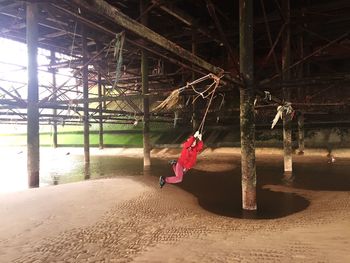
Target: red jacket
(189, 154)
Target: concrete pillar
(33, 144)
(144, 77)
(301, 134)
(247, 116)
(287, 121)
(86, 97)
(54, 111)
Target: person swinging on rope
(186, 161)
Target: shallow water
(215, 181)
(62, 166)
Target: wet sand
(129, 219)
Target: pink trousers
(179, 173)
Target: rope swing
(117, 43)
(209, 92)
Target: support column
(54, 111)
(33, 144)
(301, 134)
(86, 98)
(100, 110)
(144, 73)
(287, 121)
(247, 117)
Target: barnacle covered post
(247, 117)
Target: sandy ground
(129, 219)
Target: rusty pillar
(144, 79)
(54, 92)
(301, 134)
(287, 121)
(86, 98)
(33, 144)
(247, 117)
(100, 111)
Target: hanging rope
(118, 55)
(72, 47)
(216, 82)
(173, 98)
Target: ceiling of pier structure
(320, 87)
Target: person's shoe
(172, 162)
(161, 181)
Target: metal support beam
(317, 51)
(268, 31)
(222, 34)
(104, 9)
(144, 77)
(136, 43)
(100, 110)
(33, 144)
(86, 97)
(100, 94)
(247, 115)
(169, 8)
(287, 121)
(54, 98)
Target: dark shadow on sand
(220, 193)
